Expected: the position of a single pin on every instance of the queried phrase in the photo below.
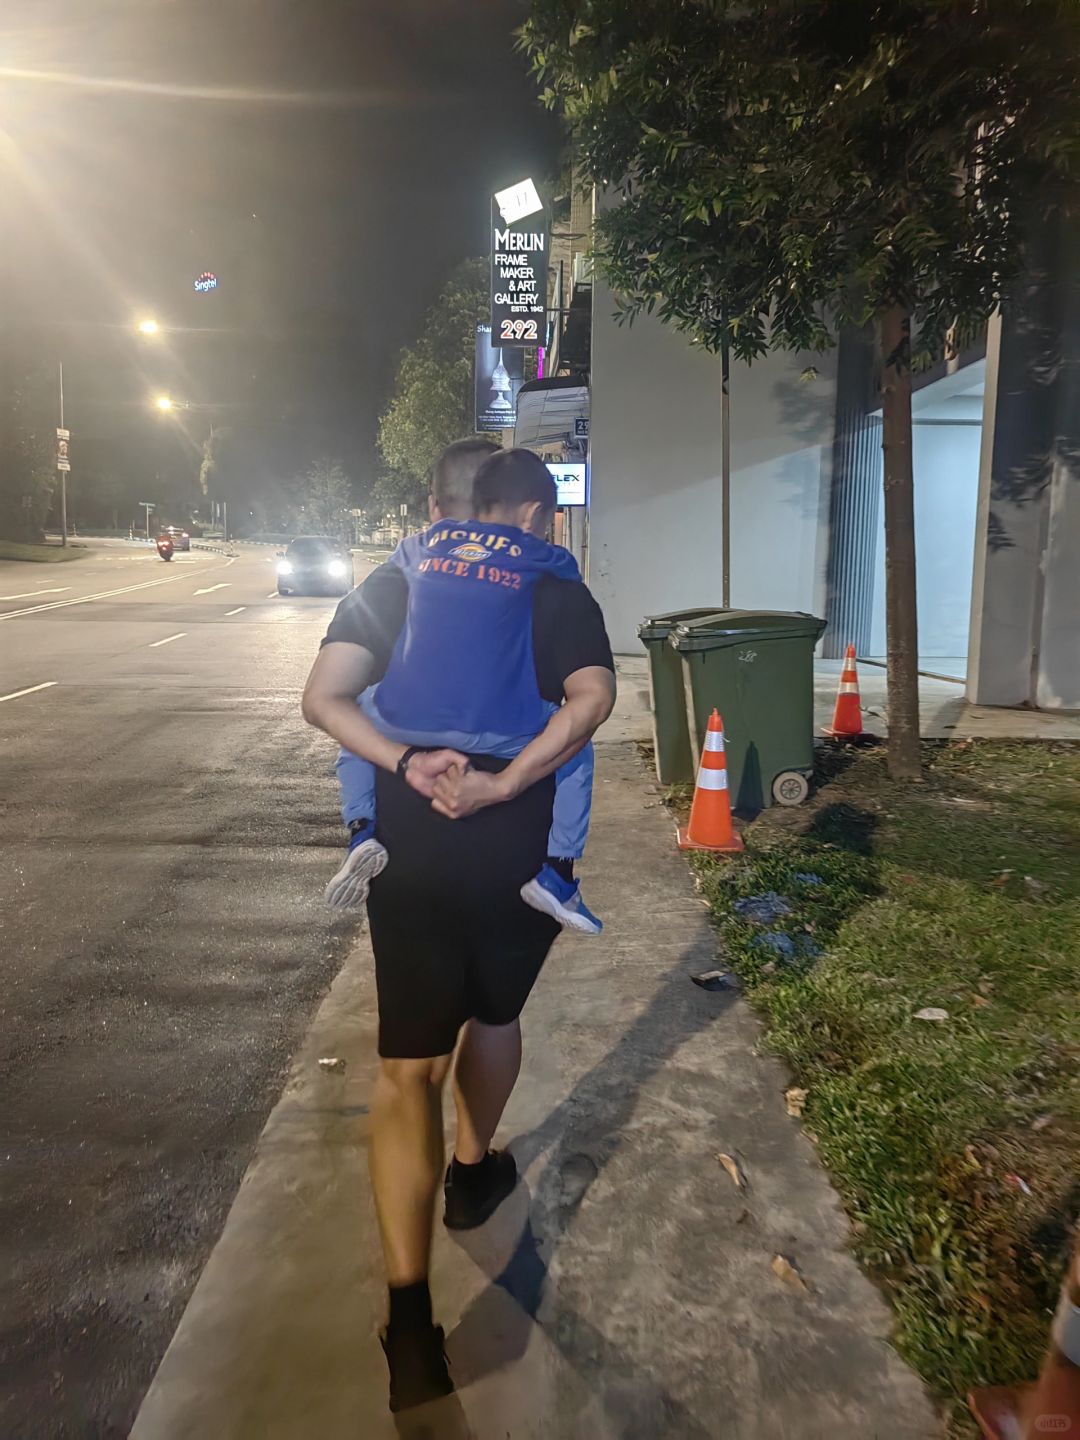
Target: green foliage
(322, 497)
(432, 403)
(27, 454)
(785, 167)
(953, 1144)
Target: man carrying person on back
(434, 695)
(457, 951)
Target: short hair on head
(454, 472)
(513, 478)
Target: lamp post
(63, 464)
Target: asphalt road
(167, 822)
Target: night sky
(330, 162)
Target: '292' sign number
(517, 330)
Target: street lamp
(148, 326)
(164, 403)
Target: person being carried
(468, 579)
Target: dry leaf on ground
(784, 1270)
(795, 1099)
(332, 1064)
(734, 1169)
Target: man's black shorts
(453, 939)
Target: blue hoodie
(462, 671)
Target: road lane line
(168, 640)
(86, 599)
(30, 690)
(33, 594)
(273, 595)
(237, 611)
(209, 590)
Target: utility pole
(725, 469)
(63, 472)
(147, 505)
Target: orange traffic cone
(847, 714)
(710, 826)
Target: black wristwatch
(403, 763)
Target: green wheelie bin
(671, 737)
(757, 668)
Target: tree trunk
(901, 619)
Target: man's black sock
(410, 1306)
(563, 867)
(470, 1176)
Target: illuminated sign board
(499, 376)
(569, 480)
(206, 282)
(519, 267)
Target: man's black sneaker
(469, 1203)
(418, 1369)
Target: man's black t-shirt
(568, 627)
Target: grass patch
(47, 554)
(953, 1144)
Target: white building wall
(655, 462)
(945, 459)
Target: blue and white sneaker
(561, 899)
(350, 886)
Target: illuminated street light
(164, 403)
(149, 326)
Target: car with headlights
(181, 538)
(315, 565)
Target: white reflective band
(714, 740)
(848, 687)
(712, 779)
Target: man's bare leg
(488, 1063)
(406, 1161)
(479, 1180)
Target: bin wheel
(790, 788)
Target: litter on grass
(763, 909)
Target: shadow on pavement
(582, 1134)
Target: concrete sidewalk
(625, 1289)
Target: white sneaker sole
(351, 884)
(534, 894)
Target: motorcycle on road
(165, 547)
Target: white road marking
(237, 611)
(30, 690)
(33, 594)
(168, 639)
(86, 599)
(273, 595)
(209, 589)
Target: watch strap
(403, 763)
